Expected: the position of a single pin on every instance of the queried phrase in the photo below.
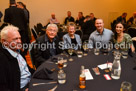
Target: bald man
(53, 19)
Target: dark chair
(113, 25)
(34, 33)
(39, 29)
(132, 32)
(31, 53)
(80, 33)
(36, 29)
(61, 34)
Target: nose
(18, 40)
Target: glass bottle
(82, 81)
(61, 77)
(116, 67)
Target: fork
(36, 84)
(54, 88)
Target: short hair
(91, 13)
(81, 13)
(124, 13)
(71, 24)
(6, 29)
(87, 16)
(12, 2)
(22, 4)
(52, 25)
(99, 19)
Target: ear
(4, 42)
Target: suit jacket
(9, 71)
(16, 17)
(131, 19)
(41, 54)
(67, 41)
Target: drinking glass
(124, 54)
(65, 63)
(126, 86)
(85, 47)
(79, 53)
(60, 62)
(96, 51)
(70, 51)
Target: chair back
(31, 53)
(80, 33)
(132, 31)
(34, 33)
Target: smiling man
(15, 73)
(100, 36)
(48, 45)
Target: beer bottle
(82, 84)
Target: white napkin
(105, 66)
(88, 74)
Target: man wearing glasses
(47, 45)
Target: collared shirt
(25, 74)
(51, 46)
(98, 40)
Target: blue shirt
(25, 74)
(98, 40)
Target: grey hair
(5, 30)
(52, 25)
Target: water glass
(126, 86)
(65, 63)
(124, 54)
(61, 77)
(117, 54)
(79, 54)
(96, 51)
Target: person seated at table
(71, 40)
(15, 73)
(101, 36)
(48, 45)
(53, 19)
(132, 20)
(122, 40)
(69, 18)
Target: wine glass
(85, 47)
(70, 51)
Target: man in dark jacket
(15, 73)
(16, 17)
(69, 18)
(48, 45)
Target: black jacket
(69, 19)
(16, 17)
(42, 53)
(9, 71)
